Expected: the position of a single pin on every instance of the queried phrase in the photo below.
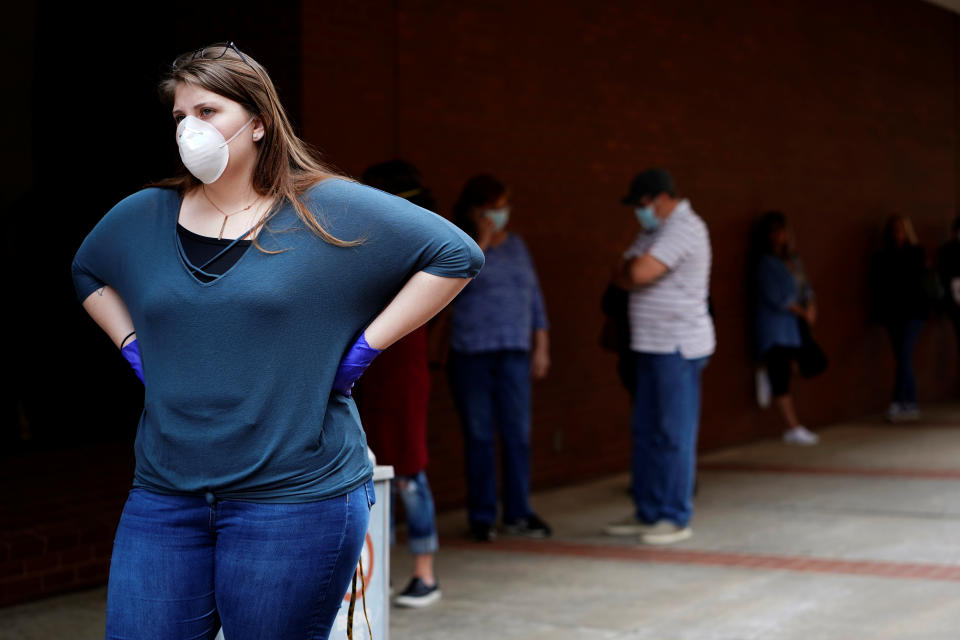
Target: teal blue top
(238, 371)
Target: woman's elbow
(476, 259)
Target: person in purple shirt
(498, 342)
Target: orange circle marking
(368, 570)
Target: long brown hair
(286, 165)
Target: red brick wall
(839, 114)
(60, 512)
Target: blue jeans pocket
(371, 493)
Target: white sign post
(376, 570)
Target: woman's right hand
(131, 352)
(485, 232)
(108, 310)
(808, 313)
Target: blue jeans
(903, 338)
(183, 566)
(418, 505)
(492, 393)
(666, 418)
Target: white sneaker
(800, 435)
(629, 526)
(665, 532)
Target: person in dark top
(901, 305)
(948, 268)
(783, 299)
(252, 486)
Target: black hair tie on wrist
(124, 341)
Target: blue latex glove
(132, 354)
(353, 364)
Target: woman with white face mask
(249, 293)
(499, 341)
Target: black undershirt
(199, 249)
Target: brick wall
(839, 114)
(60, 512)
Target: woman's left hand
(540, 358)
(354, 363)
(539, 364)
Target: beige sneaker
(665, 532)
(629, 526)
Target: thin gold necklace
(224, 213)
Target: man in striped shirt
(667, 271)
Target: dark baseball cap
(651, 182)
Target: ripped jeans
(417, 499)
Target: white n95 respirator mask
(203, 150)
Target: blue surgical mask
(647, 218)
(499, 217)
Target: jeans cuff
(419, 546)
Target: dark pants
(492, 394)
(903, 338)
(779, 361)
(182, 567)
(666, 419)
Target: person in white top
(667, 271)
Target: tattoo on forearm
(100, 291)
